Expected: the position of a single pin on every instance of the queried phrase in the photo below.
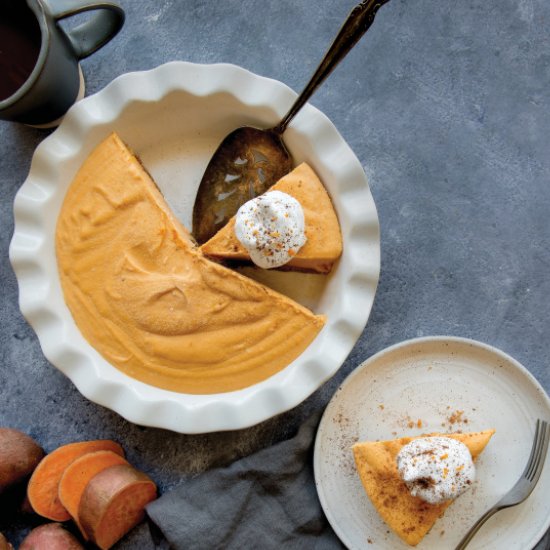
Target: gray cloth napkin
(266, 500)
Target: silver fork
(525, 484)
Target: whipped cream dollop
(272, 228)
(436, 468)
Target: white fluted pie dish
(173, 117)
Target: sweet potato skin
(77, 476)
(51, 536)
(44, 482)
(114, 502)
(19, 456)
(4, 544)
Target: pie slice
(147, 299)
(324, 240)
(409, 517)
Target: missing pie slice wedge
(324, 239)
(409, 517)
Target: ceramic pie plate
(174, 117)
(447, 384)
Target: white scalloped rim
(173, 117)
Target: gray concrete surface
(447, 106)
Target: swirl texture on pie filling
(147, 299)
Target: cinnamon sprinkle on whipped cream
(272, 228)
(436, 468)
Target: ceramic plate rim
(521, 370)
(127, 397)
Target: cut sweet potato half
(79, 473)
(113, 503)
(44, 483)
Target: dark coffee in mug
(20, 41)
(40, 75)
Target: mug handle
(88, 37)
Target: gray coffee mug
(40, 75)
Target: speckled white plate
(447, 384)
(173, 117)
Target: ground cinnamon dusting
(456, 417)
(341, 419)
(345, 442)
(411, 423)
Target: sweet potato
(79, 473)
(114, 502)
(4, 544)
(43, 485)
(19, 455)
(50, 536)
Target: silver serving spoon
(250, 160)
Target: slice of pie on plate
(409, 517)
(147, 299)
(324, 239)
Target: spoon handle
(355, 26)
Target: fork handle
(476, 527)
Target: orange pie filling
(147, 299)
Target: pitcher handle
(91, 35)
